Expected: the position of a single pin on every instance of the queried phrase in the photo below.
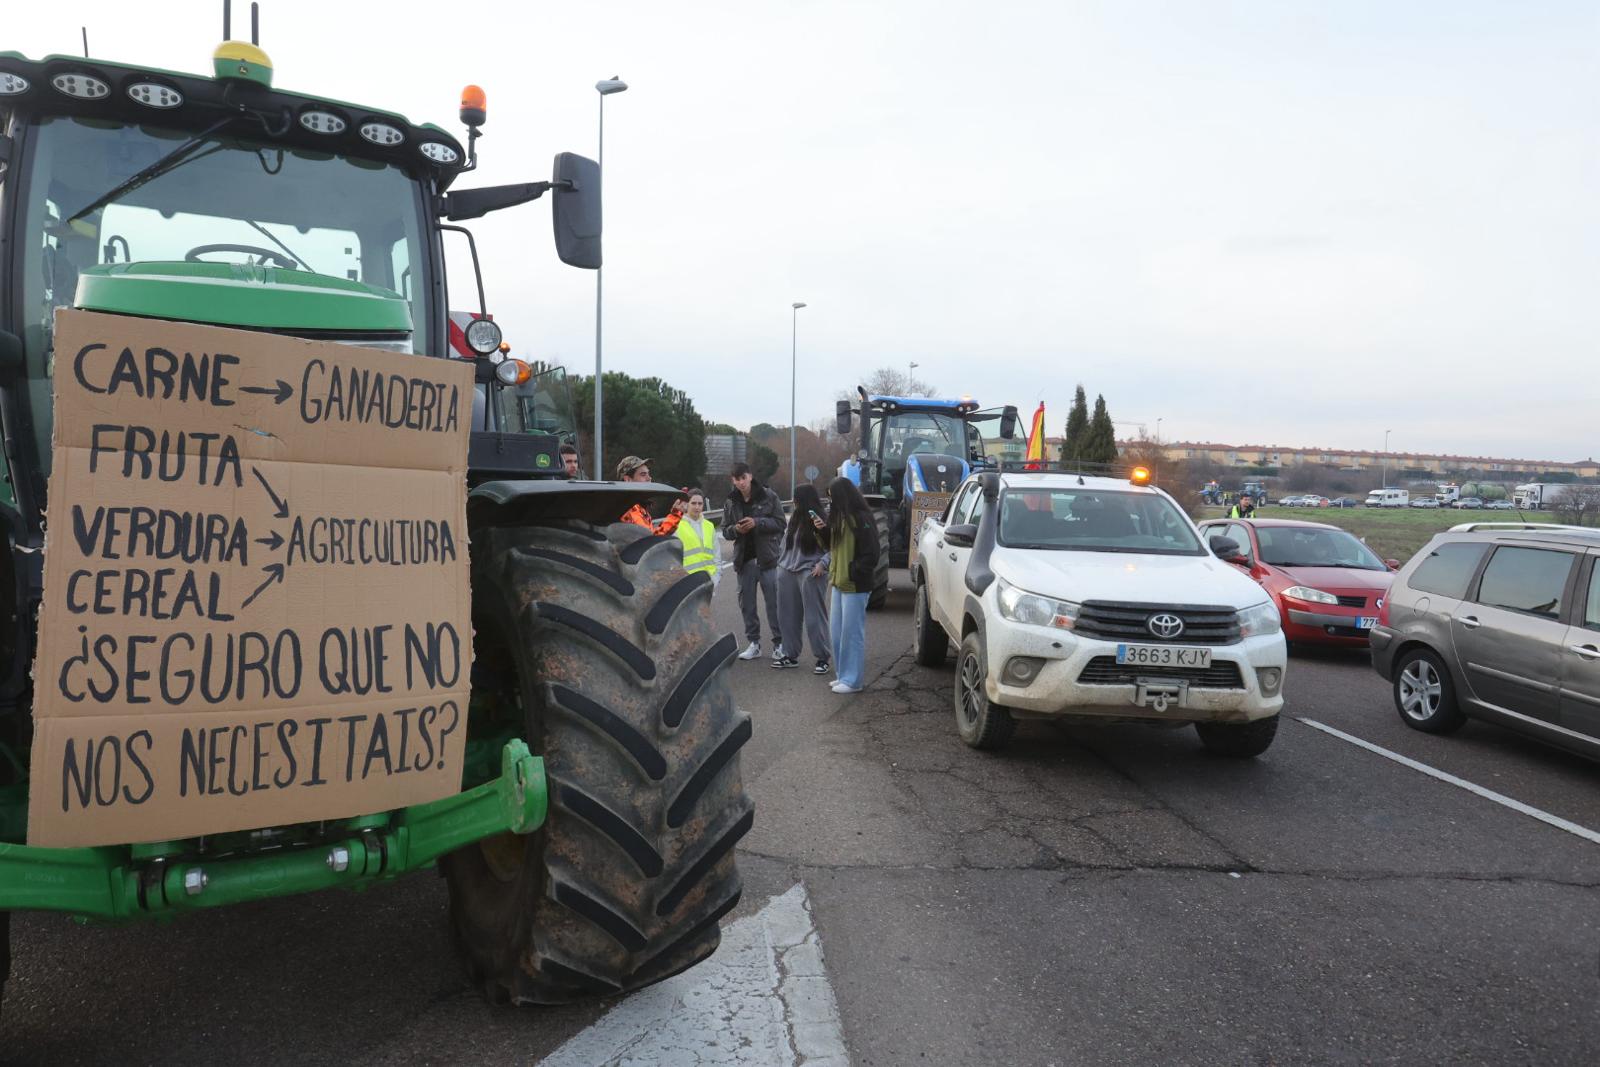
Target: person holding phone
(803, 584)
(752, 518)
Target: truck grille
(1105, 670)
(1114, 621)
(1352, 602)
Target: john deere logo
(543, 460)
(1165, 626)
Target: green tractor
(590, 850)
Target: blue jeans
(847, 626)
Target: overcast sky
(1275, 222)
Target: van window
(1448, 569)
(1591, 612)
(1532, 580)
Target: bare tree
(1579, 505)
(889, 381)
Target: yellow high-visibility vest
(699, 546)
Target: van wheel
(981, 724)
(1240, 739)
(596, 646)
(1424, 695)
(931, 641)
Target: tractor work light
(512, 371)
(322, 122)
(1139, 476)
(150, 94)
(81, 86)
(12, 84)
(483, 336)
(380, 133)
(439, 153)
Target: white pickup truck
(1094, 599)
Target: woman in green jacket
(851, 535)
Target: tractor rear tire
(880, 573)
(604, 649)
(5, 953)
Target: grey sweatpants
(750, 576)
(803, 606)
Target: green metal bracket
(131, 882)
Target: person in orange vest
(634, 469)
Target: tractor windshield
(227, 200)
(906, 433)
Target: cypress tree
(1077, 427)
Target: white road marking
(761, 1000)
(1471, 787)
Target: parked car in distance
(1425, 502)
(1328, 585)
(1498, 621)
(1290, 502)
(1092, 600)
(1313, 501)
(1343, 502)
(1500, 505)
(1470, 503)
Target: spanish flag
(1035, 453)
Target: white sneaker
(777, 653)
(842, 688)
(751, 651)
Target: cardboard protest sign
(256, 602)
(924, 507)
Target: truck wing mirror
(961, 536)
(841, 416)
(989, 485)
(11, 365)
(576, 214)
(1008, 423)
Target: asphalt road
(1111, 895)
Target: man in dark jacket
(752, 518)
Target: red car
(1328, 585)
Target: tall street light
(1383, 468)
(1158, 431)
(909, 377)
(794, 347)
(605, 88)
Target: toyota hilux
(1093, 599)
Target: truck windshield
(1095, 520)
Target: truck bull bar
(128, 882)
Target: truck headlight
(1261, 619)
(1309, 595)
(1018, 605)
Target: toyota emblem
(1165, 626)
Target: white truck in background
(1536, 496)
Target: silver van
(1501, 622)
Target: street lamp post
(1383, 461)
(605, 88)
(794, 347)
(1158, 431)
(910, 378)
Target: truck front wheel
(602, 648)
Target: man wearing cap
(634, 469)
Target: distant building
(1015, 450)
(1359, 459)
(723, 450)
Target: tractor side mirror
(576, 213)
(1008, 423)
(841, 416)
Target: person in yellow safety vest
(699, 537)
(634, 469)
(1244, 509)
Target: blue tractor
(911, 445)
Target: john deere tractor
(590, 850)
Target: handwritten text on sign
(256, 594)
